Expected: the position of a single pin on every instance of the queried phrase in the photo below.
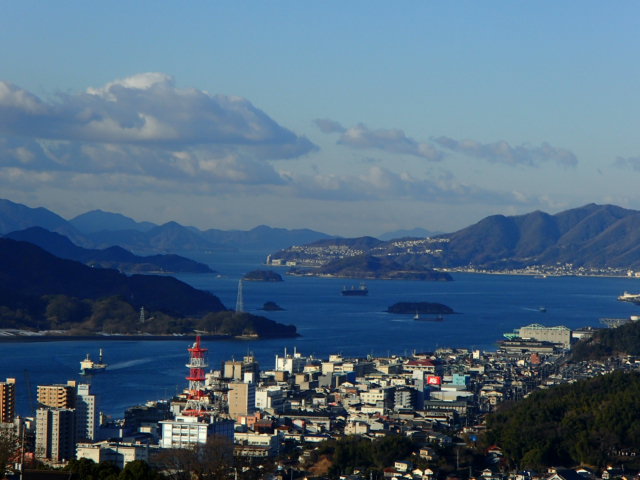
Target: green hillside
(591, 422)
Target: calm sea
(486, 306)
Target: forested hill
(592, 235)
(28, 271)
(41, 292)
(590, 422)
(608, 342)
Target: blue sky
(350, 118)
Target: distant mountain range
(112, 257)
(598, 236)
(593, 236)
(99, 220)
(99, 230)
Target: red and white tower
(197, 398)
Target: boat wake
(137, 361)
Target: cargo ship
(89, 367)
(437, 318)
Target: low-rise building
(186, 431)
(116, 453)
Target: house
(565, 474)
(403, 466)
(427, 453)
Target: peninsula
(41, 292)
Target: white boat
(630, 297)
(89, 367)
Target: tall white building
(86, 414)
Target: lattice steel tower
(197, 397)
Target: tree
(214, 459)
(9, 448)
(210, 461)
(86, 469)
(138, 470)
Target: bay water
(486, 306)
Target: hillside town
(315, 255)
(281, 416)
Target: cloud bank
(379, 184)
(143, 134)
(503, 152)
(145, 109)
(632, 163)
(144, 125)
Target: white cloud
(143, 125)
(145, 109)
(387, 140)
(503, 152)
(391, 140)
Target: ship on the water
(89, 367)
(353, 291)
(437, 318)
(630, 297)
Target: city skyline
(351, 119)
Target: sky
(351, 118)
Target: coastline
(614, 273)
(33, 338)
(541, 275)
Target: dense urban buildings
(304, 400)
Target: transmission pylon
(240, 299)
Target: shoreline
(516, 272)
(543, 275)
(37, 338)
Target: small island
(271, 307)
(420, 308)
(262, 276)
